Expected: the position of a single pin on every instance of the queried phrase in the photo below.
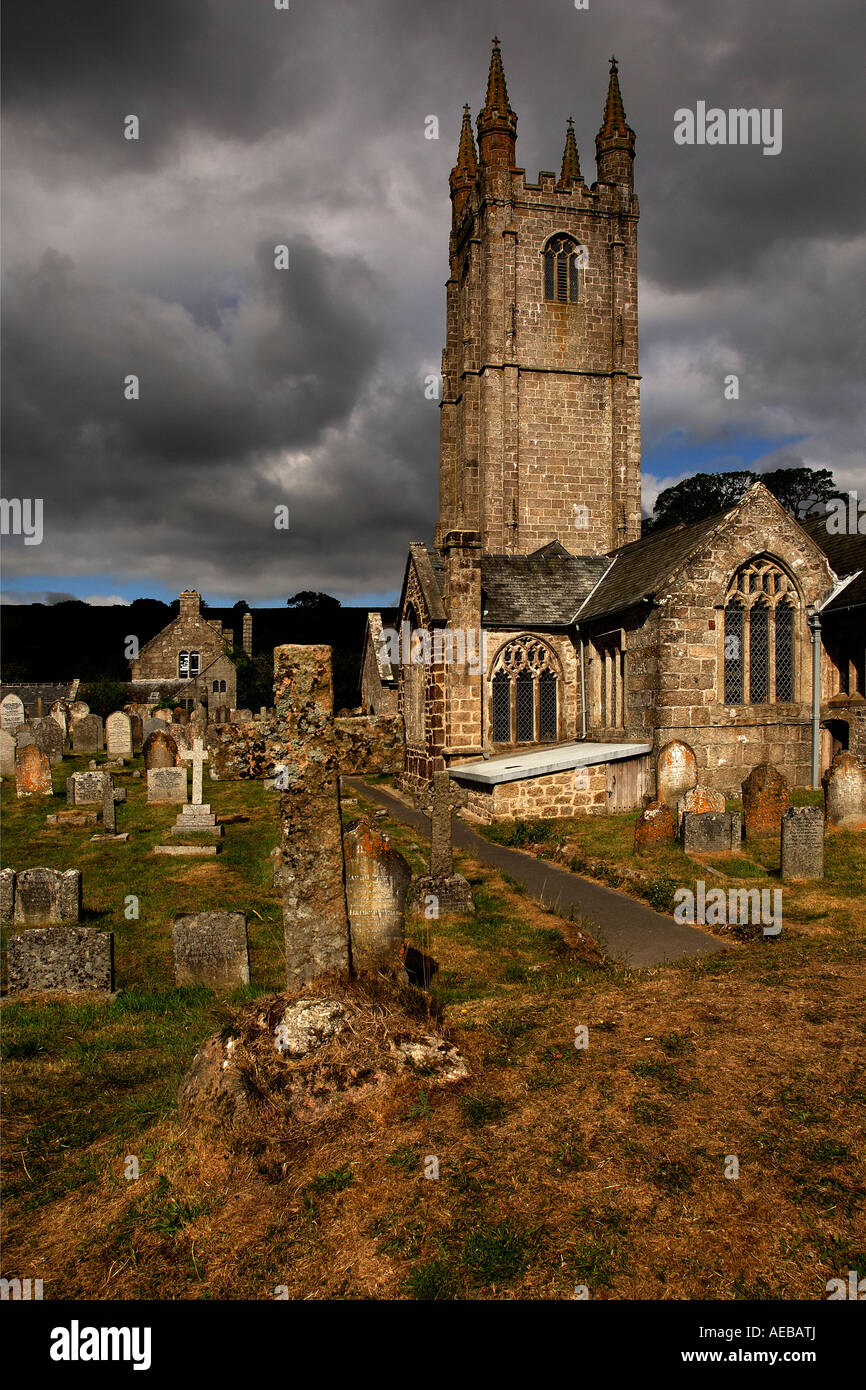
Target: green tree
(309, 600)
(800, 491)
(104, 695)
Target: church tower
(540, 415)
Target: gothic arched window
(561, 270)
(759, 636)
(524, 705)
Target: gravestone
(803, 842)
(711, 832)
(180, 716)
(655, 826)
(7, 754)
(150, 726)
(69, 960)
(84, 789)
(243, 716)
(110, 797)
(196, 817)
(137, 726)
(211, 948)
(32, 772)
(48, 738)
(700, 799)
(7, 894)
(166, 785)
(844, 785)
(47, 896)
(765, 801)
(118, 735)
(182, 734)
(163, 715)
(79, 709)
(24, 735)
(676, 772)
(160, 750)
(377, 880)
(87, 734)
(57, 712)
(11, 713)
(439, 799)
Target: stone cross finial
(198, 757)
(438, 801)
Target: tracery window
(561, 270)
(525, 693)
(759, 635)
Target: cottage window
(759, 662)
(183, 665)
(524, 702)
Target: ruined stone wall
(240, 752)
(376, 698)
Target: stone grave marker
(166, 786)
(57, 712)
(211, 948)
(111, 795)
(451, 891)
(182, 734)
(45, 897)
(377, 880)
(79, 709)
(676, 772)
(844, 785)
(711, 832)
(70, 960)
(196, 817)
(11, 713)
(803, 842)
(32, 772)
(87, 734)
(136, 724)
(24, 735)
(48, 738)
(700, 799)
(160, 749)
(84, 789)
(655, 826)
(150, 726)
(7, 894)
(7, 754)
(118, 735)
(765, 801)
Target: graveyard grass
(558, 1166)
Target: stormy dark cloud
(305, 387)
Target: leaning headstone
(11, 713)
(700, 799)
(32, 772)
(87, 734)
(377, 880)
(48, 738)
(137, 726)
(711, 832)
(211, 948)
(166, 785)
(160, 749)
(118, 735)
(844, 785)
(451, 892)
(84, 789)
(803, 842)
(655, 826)
(676, 772)
(7, 754)
(69, 960)
(765, 801)
(47, 896)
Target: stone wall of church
(557, 795)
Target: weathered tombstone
(676, 772)
(803, 842)
(196, 816)
(166, 785)
(79, 709)
(765, 801)
(844, 785)
(69, 960)
(7, 894)
(160, 750)
(47, 896)
(84, 789)
(48, 738)
(57, 712)
(7, 754)
(109, 800)
(24, 735)
(87, 734)
(655, 826)
(118, 735)
(150, 726)
(211, 948)
(180, 716)
(377, 880)
(711, 832)
(11, 713)
(32, 772)
(450, 891)
(137, 727)
(700, 799)
(163, 715)
(182, 734)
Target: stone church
(544, 651)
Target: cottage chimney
(248, 634)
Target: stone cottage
(187, 662)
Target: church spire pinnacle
(614, 144)
(465, 171)
(497, 123)
(570, 162)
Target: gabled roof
(541, 590)
(847, 555)
(642, 567)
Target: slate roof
(47, 691)
(641, 568)
(541, 590)
(847, 554)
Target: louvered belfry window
(524, 704)
(561, 270)
(760, 635)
